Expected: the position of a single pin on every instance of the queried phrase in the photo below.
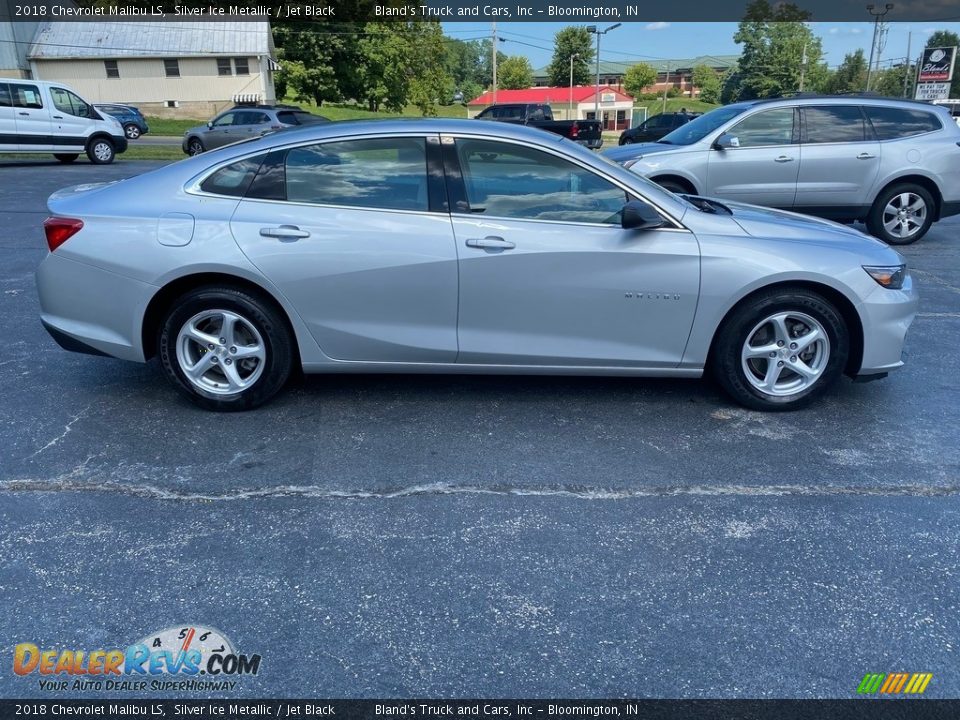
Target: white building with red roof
(578, 102)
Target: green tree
(485, 71)
(429, 81)
(315, 64)
(851, 75)
(706, 80)
(638, 77)
(572, 40)
(945, 38)
(515, 73)
(773, 42)
(889, 82)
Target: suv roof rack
(267, 106)
(868, 94)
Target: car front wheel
(226, 348)
(101, 152)
(194, 146)
(901, 214)
(780, 350)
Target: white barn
(172, 69)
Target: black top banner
(568, 11)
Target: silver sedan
(458, 247)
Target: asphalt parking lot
(392, 536)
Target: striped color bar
(894, 683)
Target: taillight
(574, 130)
(59, 230)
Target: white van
(37, 117)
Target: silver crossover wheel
(785, 353)
(220, 352)
(194, 147)
(132, 131)
(904, 215)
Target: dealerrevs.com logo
(199, 658)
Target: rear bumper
(886, 316)
(592, 144)
(120, 143)
(91, 310)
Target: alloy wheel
(785, 353)
(220, 352)
(904, 215)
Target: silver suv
(243, 123)
(894, 164)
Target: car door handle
(783, 158)
(58, 117)
(25, 113)
(865, 156)
(284, 232)
(491, 242)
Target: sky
(662, 40)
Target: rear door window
(835, 124)
(380, 173)
(26, 96)
(5, 99)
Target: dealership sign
(936, 65)
(933, 91)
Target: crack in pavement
(580, 493)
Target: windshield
(700, 127)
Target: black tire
(261, 314)
(195, 146)
(66, 159)
(875, 218)
(738, 327)
(674, 187)
(100, 150)
(625, 140)
(132, 131)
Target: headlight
(890, 276)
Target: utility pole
(494, 61)
(570, 103)
(803, 66)
(665, 87)
(877, 19)
(906, 70)
(596, 100)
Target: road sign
(936, 65)
(933, 91)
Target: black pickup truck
(585, 132)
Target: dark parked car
(243, 123)
(537, 115)
(134, 124)
(654, 128)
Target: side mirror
(210, 125)
(727, 141)
(638, 215)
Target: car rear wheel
(131, 131)
(902, 214)
(194, 146)
(226, 348)
(100, 151)
(66, 158)
(780, 350)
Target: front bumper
(886, 316)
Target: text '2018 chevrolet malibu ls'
(453, 246)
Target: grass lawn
(167, 126)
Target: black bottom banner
(874, 709)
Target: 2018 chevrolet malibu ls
(452, 246)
